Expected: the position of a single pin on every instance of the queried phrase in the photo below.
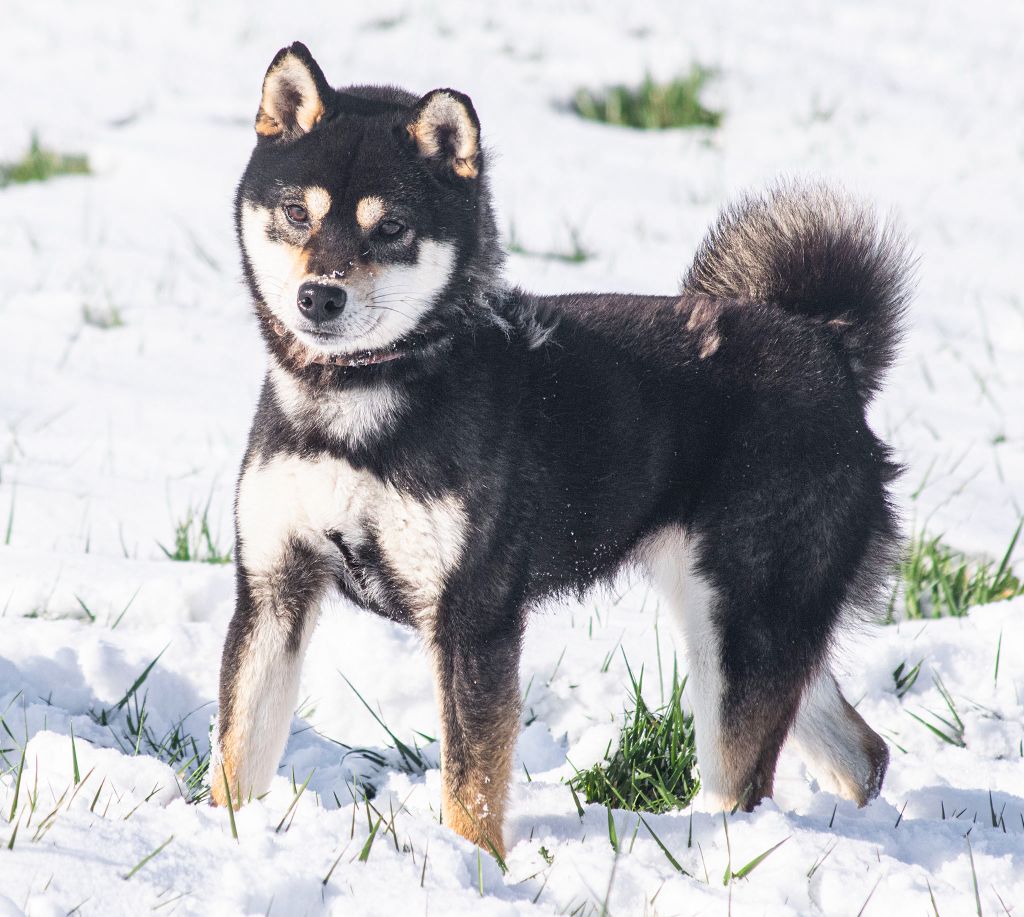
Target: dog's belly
(396, 541)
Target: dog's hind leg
(845, 754)
(476, 668)
(745, 692)
(691, 600)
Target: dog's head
(361, 213)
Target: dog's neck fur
(398, 350)
(352, 408)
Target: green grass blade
(746, 870)
(74, 756)
(139, 681)
(613, 836)
(231, 804)
(124, 610)
(675, 863)
(1004, 564)
(974, 877)
(17, 783)
(364, 854)
(959, 743)
(295, 801)
(576, 799)
(147, 858)
(85, 608)
(14, 835)
(412, 758)
(10, 511)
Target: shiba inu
(448, 450)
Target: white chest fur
(352, 415)
(289, 497)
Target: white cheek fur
(388, 309)
(398, 298)
(274, 264)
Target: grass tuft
(654, 769)
(412, 760)
(176, 746)
(102, 318)
(950, 729)
(651, 105)
(194, 540)
(939, 581)
(576, 253)
(904, 677)
(40, 164)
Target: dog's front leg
(274, 616)
(477, 682)
(281, 578)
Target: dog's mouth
(397, 350)
(322, 337)
(327, 339)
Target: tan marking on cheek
(318, 202)
(276, 263)
(369, 212)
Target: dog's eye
(296, 213)
(390, 228)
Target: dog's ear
(295, 95)
(446, 130)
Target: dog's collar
(398, 351)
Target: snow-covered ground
(109, 435)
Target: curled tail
(813, 252)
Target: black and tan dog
(448, 451)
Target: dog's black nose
(320, 302)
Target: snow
(108, 437)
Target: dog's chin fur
(522, 446)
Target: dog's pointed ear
(446, 130)
(295, 95)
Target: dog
(448, 450)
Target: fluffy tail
(813, 252)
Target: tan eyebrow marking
(318, 202)
(369, 212)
